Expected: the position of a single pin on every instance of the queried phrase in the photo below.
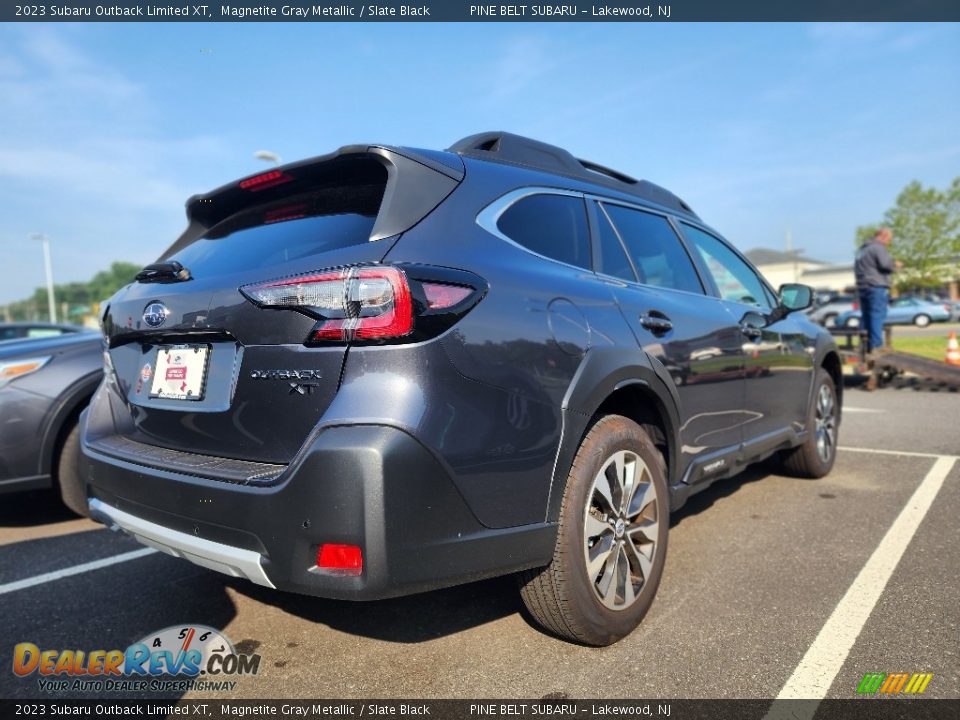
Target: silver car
(903, 311)
(827, 313)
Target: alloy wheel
(826, 424)
(620, 529)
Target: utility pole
(51, 304)
(788, 242)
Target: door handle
(751, 332)
(656, 322)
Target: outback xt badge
(286, 375)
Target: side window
(613, 258)
(554, 226)
(656, 250)
(43, 332)
(734, 278)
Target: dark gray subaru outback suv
(386, 370)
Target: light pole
(268, 156)
(46, 260)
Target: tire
(852, 322)
(73, 492)
(816, 456)
(921, 320)
(602, 604)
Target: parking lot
(773, 585)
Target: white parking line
(75, 570)
(907, 453)
(815, 674)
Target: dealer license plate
(181, 372)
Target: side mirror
(794, 296)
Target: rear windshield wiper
(163, 272)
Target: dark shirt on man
(873, 265)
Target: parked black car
(386, 370)
(44, 385)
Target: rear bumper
(367, 485)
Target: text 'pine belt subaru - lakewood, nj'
(387, 370)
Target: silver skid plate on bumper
(206, 553)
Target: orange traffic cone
(953, 350)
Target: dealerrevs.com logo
(196, 657)
(894, 683)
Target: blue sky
(106, 129)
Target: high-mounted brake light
(265, 180)
(366, 302)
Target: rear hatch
(200, 368)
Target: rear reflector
(342, 559)
(358, 302)
(265, 180)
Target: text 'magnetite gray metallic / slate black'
(387, 370)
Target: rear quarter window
(554, 226)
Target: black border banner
(479, 11)
(549, 709)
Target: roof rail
(518, 150)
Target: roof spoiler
(518, 150)
(417, 181)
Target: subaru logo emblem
(155, 314)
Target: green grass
(934, 347)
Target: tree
(864, 233)
(926, 235)
(75, 294)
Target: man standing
(873, 269)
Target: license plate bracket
(181, 372)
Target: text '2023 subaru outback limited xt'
(387, 370)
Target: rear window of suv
(301, 225)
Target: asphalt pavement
(773, 585)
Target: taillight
(374, 303)
(856, 306)
(440, 296)
(355, 302)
